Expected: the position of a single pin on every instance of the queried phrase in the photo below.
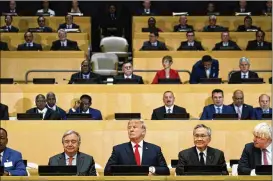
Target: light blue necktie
(218, 110)
(169, 111)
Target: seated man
(257, 153)
(11, 159)
(247, 25)
(169, 107)
(153, 43)
(138, 152)
(146, 10)
(8, 27)
(29, 45)
(211, 10)
(4, 112)
(72, 156)
(46, 9)
(127, 68)
(244, 73)
(63, 43)
(201, 154)
(51, 104)
(259, 43)
(4, 46)
(83, 107)
(217, 107)
(264, 101)
(69, 23)
(268, 8)
(42, 26)
(85, 73)
(151, 26)
(238, 106)
(191, 43)
(183, 26)
(12, 8)
(226, 43)
(48, 114)
(242, 7)
(212, 27)
(205, 68)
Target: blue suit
(123, 154)
(17, 168)
(96, 114)
(209, 110)
(198, 71)
(247, 111)
(61, 112)
(258, 112)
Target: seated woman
(151, 26)
(167, 72)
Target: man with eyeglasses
(226, 43)
(153, 43)
(42, 26)
(259, 43)
(29, 45)
(264, 101)
(72, 156)
(201, 154)
(63, 43)
(191, 43)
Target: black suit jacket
(71, 45)
(74, 26)
(178, 28)
(4, 112)
(12, 29)
(44, 29)
(253, 45)
(184, 46)
(231, 46)
(123, 154)
(190, 157)
(4, 46)
(139, 78)
(236, 77)
(85, 163)
(242, 28)
(35, 47)
(250, 157)
(50, 114)
(79, 75)
(158, 113)
(148, 46)
(247, 111)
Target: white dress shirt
(1, 156)
(225, 44)
(69, 26)
(244, 75)
(208, 72)
(87, 112)
(268, 155)
(205, 155)
(42, 112)
(128, 77)
(29, 44)
(140, 148)
(74, 161)
(167, 109)
(216, 109)
(64, 43)
(50, 11)
(191, 44)
(85, 76)
(154, 44)
(53, 108)
(147, 11)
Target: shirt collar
(169, 108)
(42, 111)
(53, 108)
(269, 148)
(140, 144)
(242, 73)
(130, 76)
(205, 152)
(240, 107)
(87, 112)
(2, 154)
(67, 157)
(221, 107)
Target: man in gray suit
(72, 156)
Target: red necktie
(137, 155)
(70, 160)
(264, 157)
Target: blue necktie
(169, 111)
(218, 110)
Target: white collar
(240, 107)
(269, 148)
(53, 108)
(242, 73)
(67, 157)
(166, 108)
(205, 152)
(130, 76)
(221, 107)
(140, 144)
(42, 111)
(87, 112)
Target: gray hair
(202, 126)
(263, 130)
(244, 59)
(61, 30)
(212, 17)
(72, 132)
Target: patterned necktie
(239, 112)
(169, 111)
(218, 110)
(265, 157)
(137, 155)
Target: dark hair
(9, 16)
(4, 131)
(167, 57)
(39, 18)
(127, 62)
(68, 15)
(155, 33)
(152, 18)
(190, 32)
(217, 91)
(206, 58)
(260, 31)
(85, 96)
(247, 17)
(40, 95)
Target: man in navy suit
(191, 43)
(217, 107)
(205, 68)
(51, 104)
(9, 158)
(259, 43)
(153, 43)
(238, 106)
(29, 45)
(63, 43)
(8, 26)
(4, 112)
(226, 43)
(83, 107)
(42, 26)
(69, 23)
(138, 152)
(264, 101)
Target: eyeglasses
(196, 136)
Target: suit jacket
(216, 28)
(63, 26)
(18, 167)
(198, 71)
(4, 112)
(50, 114)
(270, 80)
(158, 113)
(196, 46)
(44, 29)
(148, 46)
(258, 113)
(123, 154)
(79, 75)
(178, 28)
(236, 77)
(96, 114)
(35, 47)
(250, 157)
(71, 45)
(253, 45)
(85, 163)
(60, 111)
(12, 29)
(4, 46)
(190, 157)
(231, 46)
(209, 110)
(242, 28)
(139, 78)
(161, 74)
(247, 111)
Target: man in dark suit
(264, 101)
(4, 46)
(69, 23)
(146, 10)
(72, 156)
(212, 27)
(82, 106)
(268, 8)
(242, 8)
(127, 68)
(257, 153)
(247, 26)
(41, 108)
(138, 152)
(259, 43)
(217, 107)
(29, 45)
(63, 43)
(191, 43)
(51, 104)
(12, 8)
(4, 112)
(8, 27)
(244, 72)
(11, 159)
(226, 43)
(168, 108)
(153, 43)
(183, 26)
(205, 68)
(42, 26)
(243, 110)
(201, 154)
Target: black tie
(202, 161)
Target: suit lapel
(213, 109)
(257, 156)
(130, 153)
(80, 160)
(210, 156)
(194, 156)
(61, 160)
(5, 156)
(47, 115)
(145, 153)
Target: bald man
(226, 43)
(51, 104)
(264, 101)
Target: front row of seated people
(139, 152)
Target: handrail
(233, 71)
(187, 71)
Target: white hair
(263, 130)
(72, 132)
(244, 59)
(212, 17)
(61, 30)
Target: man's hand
(6, 173)
(77, 104)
